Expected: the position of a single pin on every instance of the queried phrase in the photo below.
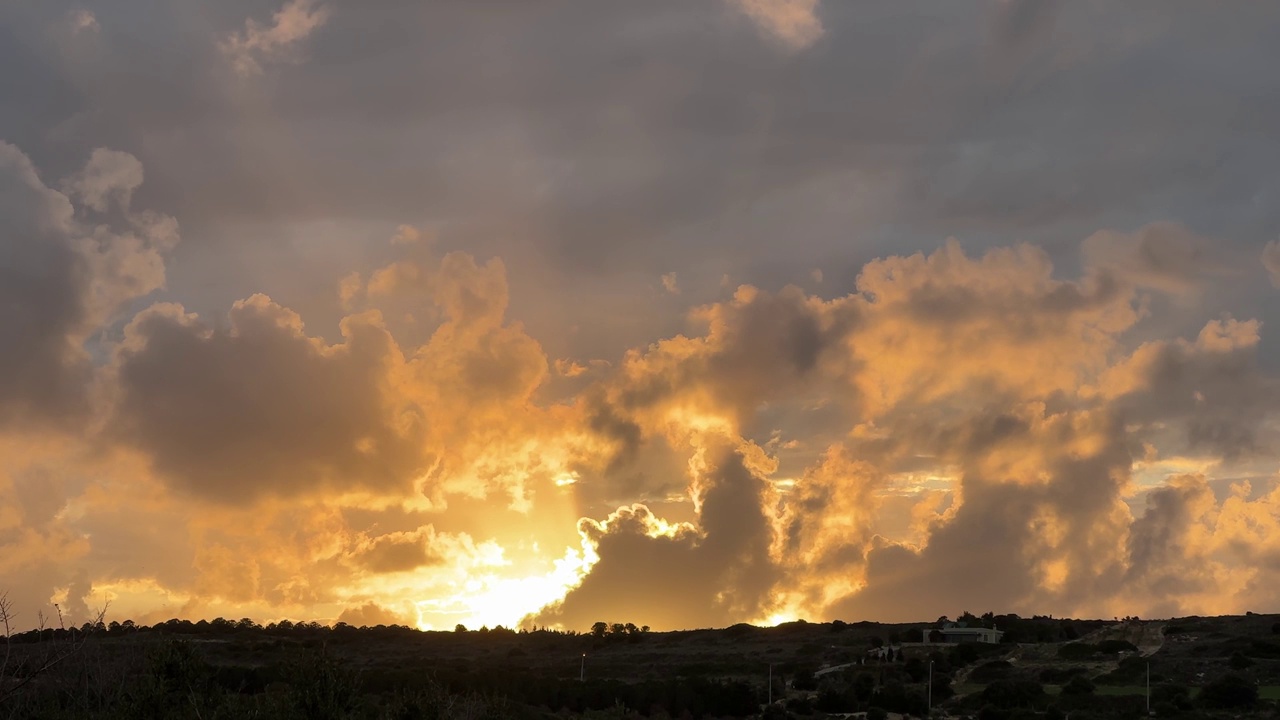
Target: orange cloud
(956, 417)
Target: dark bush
(1077, 651)
(916, 669)
(1078, 685)
(1013, 694)
(1238, 661)
(1130, 671)
(1115, 647)
(1060, 675)
(1229, 691)
(1172, 693)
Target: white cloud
(669, 283)
(83, 20)
(256, 44)
(794, 23)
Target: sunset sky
(676, 312)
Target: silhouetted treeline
(245, 626)
(174, 678)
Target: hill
(1042, 666)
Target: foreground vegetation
(1200, 667)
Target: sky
(681, 313)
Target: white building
(959, 633)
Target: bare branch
(54, 658)
(6, 615)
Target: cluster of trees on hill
(232, 628)
(604, 629)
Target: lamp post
(770, 683)
(930, 687)
(582, 671)
(1148, 688)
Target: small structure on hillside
(960, 633)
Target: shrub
(1078, 685)
(1238, 661)
(1077, 651)
(1115, 647)
(1013, 693)
(1060, 675)
(1229, 691)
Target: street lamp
(930, 687)
(770, 683)
(1148, 688)
(582, 672)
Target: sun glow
(490, 599)
(779, 618)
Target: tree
(459, 628)
(1229, 691)
(1013, 693)
(600, 629)
(1238, 661)
(804, 680)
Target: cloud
(82, 20)
(1212, 390)
(794, 23)
(1160, 256)
(398, 552)
(988, 370)
(109, 177)
(372, 614)
(249, 48)
(255, 407)
(62, 279)
(1271, 261)
(669, 283)
(679, 575)
(1004, 399)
